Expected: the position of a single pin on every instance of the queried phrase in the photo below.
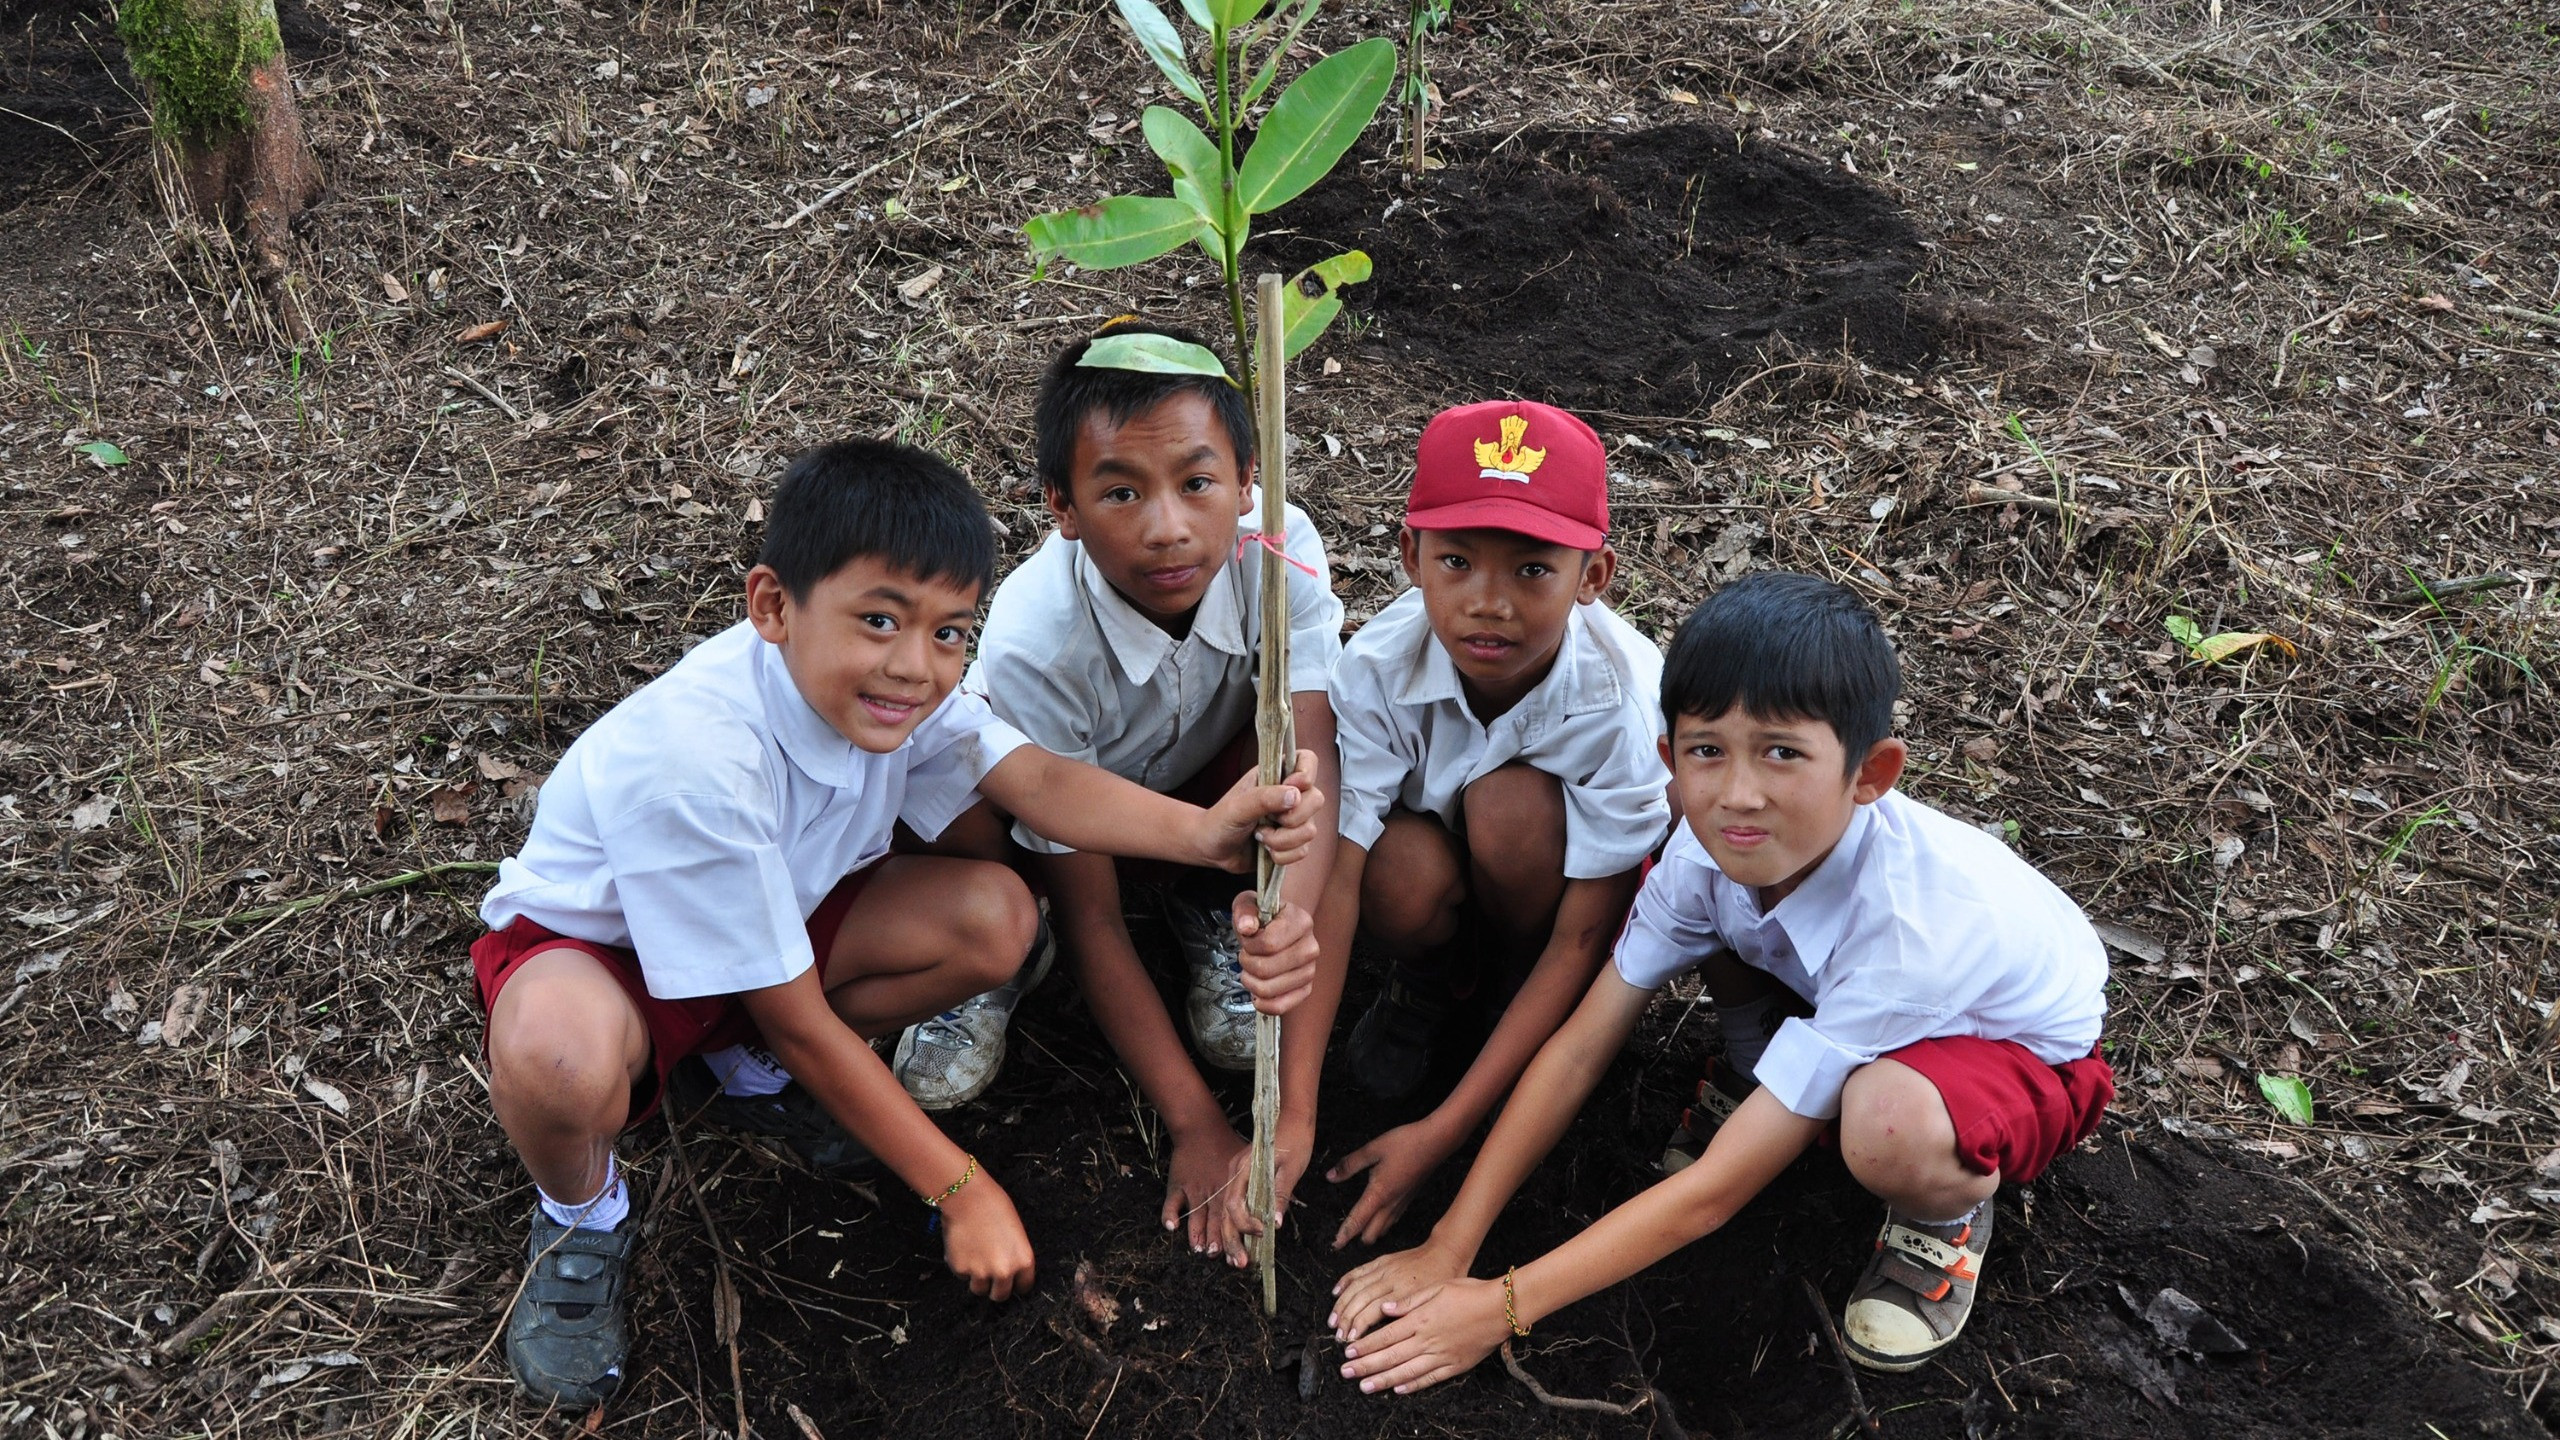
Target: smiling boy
(1955, 1000)
(710, 867)
(1500, 791)
(1129, 640)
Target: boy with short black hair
(709, 867)
(1499, 788)
(1131, 640)
(1955, 1001)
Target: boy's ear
(1409, 550)
(1061, 505)
(1662, 747)
(768, 604)
(1598, 569)
(1880, 770)
(1244, 488)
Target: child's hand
(1388, 1285)
(1195, 1189)
(1442, 1334)
(1290, 1151)
(1279, 959)
(1230, 827)
(983, 1240)
(1398, 1162)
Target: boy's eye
(884, 623)
(1453, 562)
(1535, 571)
(1785, 752)
(951, 635)
(1705, 752)
(1198, 483)
(1120, 494)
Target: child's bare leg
(1515, 829)
(565, 1047)
(1411, 889)
(926, 933)
(1901, 1145)
(982, 832)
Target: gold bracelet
(966, 1175)
(1511, 1302)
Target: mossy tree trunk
(221, 98)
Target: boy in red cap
(1498, 726)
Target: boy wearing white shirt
(710, 865)
(1130, 640)
(1500, 791)
(1955, 998)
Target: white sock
(1748, 1028)
(747, 1071)
(610, 1207)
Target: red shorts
(677, 1028)
(2013, 1112)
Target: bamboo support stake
(1279, 744)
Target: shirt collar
(1581, 682)
(1818, 910)
(814, 746)
(1138, 643)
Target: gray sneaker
(1917, 1292)
(952, 1058)
(566, 1336)
(1219, 1007)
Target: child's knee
(996, 917)
(1895, 1133)
(1413, 882)
(552, 1052)
(1515, 823)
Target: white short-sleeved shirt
(1408, 738)
(1067, 660)
(1916, 927)
(703, 818)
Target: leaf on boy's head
(1153, 354)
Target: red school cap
(1512, 465)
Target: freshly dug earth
(1129, 1334)
(1626, 273)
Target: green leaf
(1191, 157)
(2289, 1095)
(1198, 10)
(103, 454)
(1304, 316)
(1313, 123)
(2185, 631)
(1235, 13)
(1156, 36)
(1271, 67)
(1154, 354)
(1122, 230)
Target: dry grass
(2256, 294)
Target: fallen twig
(1994, 495)
(823, 201)
(2427, 592)
(1867, 1422)
(492, 396)
(724, 1294)
(2284, 351)
(313, 902)
(1543, 1396)
(261, 1281)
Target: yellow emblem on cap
(1509, 459)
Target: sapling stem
(1230, 237)
(1274, 730)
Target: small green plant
(2206, 649)
(2288, 1095)
(1216, 193)
(1427, 17)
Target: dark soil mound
(1620, 273)
(850, 1316)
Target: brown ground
(2239, 316)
